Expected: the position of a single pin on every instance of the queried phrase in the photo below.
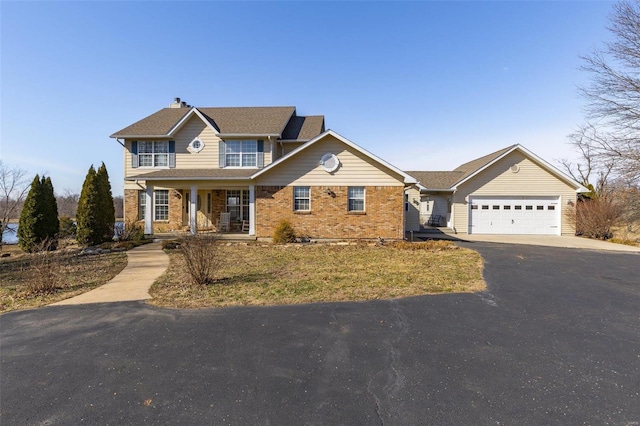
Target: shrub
(46, 265)
(67, 227)
(131, 231)
(39, 217)
(594, 218)
(284, 233)
(201, 258)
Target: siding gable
(355, 169)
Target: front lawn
(265, 274)
(67, 273)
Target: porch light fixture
(331, 193)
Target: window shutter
(134, 154)
(221, 154)
(172, 154)
(260, 156)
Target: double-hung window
(153, 153)
(301, 198)
(241, 153)
(238, 204)
(161, 204)
(356, 199)
(142, 204)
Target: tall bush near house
(106, 208)
(87, 217)
(39, 217)
(284, 233)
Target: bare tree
(13, 189)
(613, 97)
(67, 203)
(118, 205)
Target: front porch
(194, 208)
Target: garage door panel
(514, 215)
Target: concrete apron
(550, 241)
(145, 264)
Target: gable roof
(466, 171)
(228, 121)
(407, 178)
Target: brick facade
(329, 217)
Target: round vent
(329, 163)
(196, 145)
(515, 168)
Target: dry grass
(264, 274)
(74, 275)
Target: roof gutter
(121, 143)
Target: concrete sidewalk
(145, 264)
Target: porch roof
(195, 174)
(437, 180)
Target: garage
(514, 215)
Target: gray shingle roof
(156, 124)
(199, 174)
(445, 180)
(230, 121)
(436, 180)
(303, 128)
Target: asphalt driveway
(555, 340)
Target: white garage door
(514, 215)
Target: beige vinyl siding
(412, 215)
(205, 159)
(499, 180)
(287, 147)
(355, 169)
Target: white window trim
(308, 197)
(364, 199)
(155, 205)
(153, 155)
(193, 149)
(241, 153)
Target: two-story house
(187, 166)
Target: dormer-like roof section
(303, 128)
(227, 121)
(437, 180)
(471, 167)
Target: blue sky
(424, 85)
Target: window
(241, 153)
(356, 198)
(496, 207)
(539, 207)
(474, 207)
(528, 207)
(301, 198)
(208, 202)
(551, 207)
(161, 204)
(485, 207)
(506, 207)
(153, 153)
(142, 204)
(238, 205)
(517, 207)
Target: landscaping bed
(267, 274)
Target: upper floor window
(241, 153)
(153, 153)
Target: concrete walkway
(536, 240)
(145, 264)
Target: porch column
(252, 210)
(148, 210)
(193, 212)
